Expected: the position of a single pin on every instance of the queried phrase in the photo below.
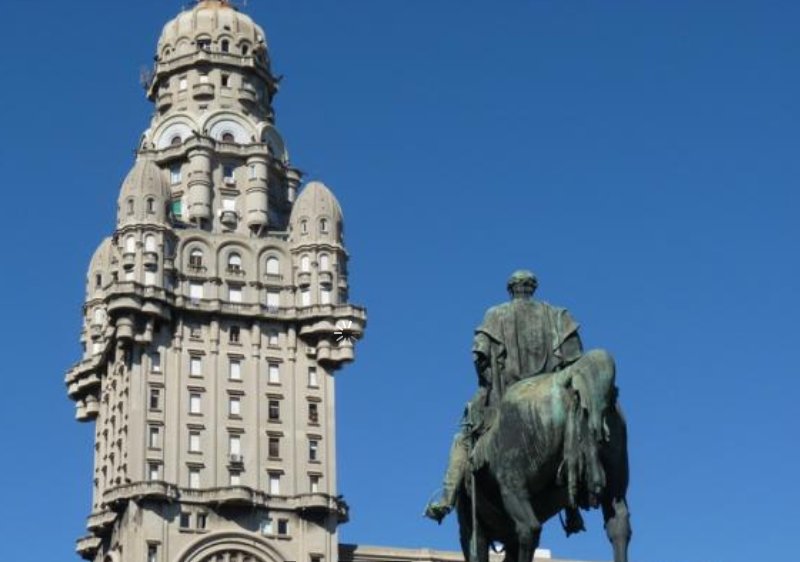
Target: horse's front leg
(618, 526)
(528, 529)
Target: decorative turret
(144, 195)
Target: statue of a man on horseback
(542, 433)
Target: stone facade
(215, 317)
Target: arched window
(150, 243)
(234, 262)
(324, 262)
(305, 263)
(225, 45)
(323, 225)
(228, 137)
(273, 266)
(175, 140)
(130, 244)
(304, 226)
(245, 49)
(151, 205)
(196, 258)
(129, 206)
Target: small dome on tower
(99, 273)
(316, 215)
(144, 194)
(213, 25)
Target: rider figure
(518, 339)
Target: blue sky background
(641, 157)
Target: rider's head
(522, 284)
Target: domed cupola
(99, 274)
(316, 216)
(144, 195)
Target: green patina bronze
(544, 433)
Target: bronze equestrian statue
(543, 433)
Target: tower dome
(316, 215)
(144, 194)
(214, 25)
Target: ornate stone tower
(216, 315)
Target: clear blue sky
(641, 157)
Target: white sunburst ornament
(344, 331)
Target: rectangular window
(175, 177)
(325, 295)
(272, 339)
(274, 410)
(153, 437)
(313, 483)
(228, 174)
(154, 471)
(194, 441)
(313, 412)
(305, 297)
(266, 526)
(152, 553)
(129, 275)
(228, 204)
(312, 377)
(155, 399)
(235, 406)
(176, 207)
(234, 334)
(204, 78)
(236, 478)
(195, 332)
(235, 294)
(234, 445)
(182, 83)
(186, 520)
(195, 291)
(283, 527)
(155, 362)
(195, 403)
(202, 519)
(235, 368)
(194, 478)
(195, 366)
(313, 450)
(226, 80)
(253, 174)
(273, 299)
(274, 483)
(149, 277)
(273, 373)
(274, 448)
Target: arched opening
(227, 136)
(196, 258)
(273, 266)
(234, 262)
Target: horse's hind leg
(527, 528)
(618, 526)
(480, 552)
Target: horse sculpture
(559, 440)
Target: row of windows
(273, 300)
(235, 365)
(206, 43)
(234, 262)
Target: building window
(323, 225)
(149, 243)
(149, 277)
(274, 410)
(153, 437)
(130, 244)
(130, 274)
(175, 169)
(98, 280)
(324, 262)
(274, 447)
(204, 44)
(235, 369)
(313, 450)
(312, 377)
(152, 552)
(266, 526)
(273, 373)
(227, 173)
(304, 227)
(194, 441)
(195, 402)
(235, 294)
(150, 206)
(234, 445)
(313, 412)
(196, 259)
(153, 471)
(305, 263)
(226, 80)
(225, 45)
(228, 137)
(235, 478)
(195, 291)
(195, 366)
(129, 206)
(195, 331)
(273, 300)
(202, 519)
(155, 399)
(204, 78)
(252, 172)
(194, 477)
(305, 297)
(235, 406)
(234, 262)
(274, 483)
(182, 83)
(273, 266)
(272, 338)
(325, 294)
(283, 527)
(313, 483)
(176, 140)
(155, 362)
(186, 520)
(234, 334)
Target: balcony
(86, 547)
(229, 218)
(164, 101)
(150, 259)
(247, 96)
(203, 90)
(115, 497)
(100, 521)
